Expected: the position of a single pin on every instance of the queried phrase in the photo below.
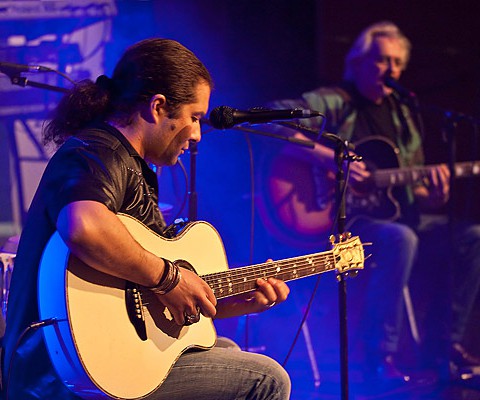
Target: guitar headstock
(349, 255)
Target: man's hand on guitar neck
(435, 190)
(268, 293)
(192, 296)
(358, 174)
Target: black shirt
(374, 119)
(98, 164)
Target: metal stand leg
(311, 354)
(411, 314)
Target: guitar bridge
(134, 305)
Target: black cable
(252, 219)
(61, 74)
(302, 322)
(314, 291)
(252, 197)
(32, 326)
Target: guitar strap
(405, 139)
(345, 113)
(405, 134)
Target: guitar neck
(406, 176)
(241, 280)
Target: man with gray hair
(368, 112)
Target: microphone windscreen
(392, 83)
(221, 117)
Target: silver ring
(191, 319)
(272, 304)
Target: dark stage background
(261, 50)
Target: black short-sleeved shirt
(98, 164)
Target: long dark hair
(148, 67)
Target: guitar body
(371, 201)
(95, 348)
(297, 204)
(109, 339)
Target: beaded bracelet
(169, 280)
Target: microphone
(14, 69)
(225, 117)
(402, 91)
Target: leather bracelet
(169, 280)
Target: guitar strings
(389, 176)
(271, 266)
(235, 281)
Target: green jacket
(338, 105)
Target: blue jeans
(451, 259)
(225, 372)
(221, 373)
(394, 250)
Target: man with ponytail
(107, 133)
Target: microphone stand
(451, 120)
(342, 156)
(301, 142)
(23, 81)
(342, 159)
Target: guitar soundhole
(367, 186)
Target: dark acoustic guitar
(297, 203)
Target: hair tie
(105, 83)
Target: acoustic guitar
(114, 340)
(297, 203)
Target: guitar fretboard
(406, 176)
(242, 280)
